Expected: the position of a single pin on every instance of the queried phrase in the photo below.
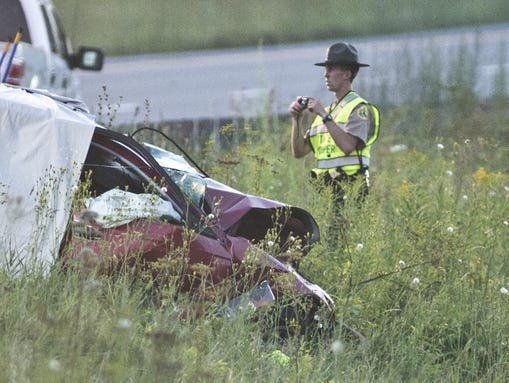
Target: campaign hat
(342, 53)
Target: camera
(304, 101)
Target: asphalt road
(242, 82)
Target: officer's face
(336, 77)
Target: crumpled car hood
(234, 204)
(237, 213)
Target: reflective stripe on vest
(340, 162)
(327, 154)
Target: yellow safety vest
(329, 157)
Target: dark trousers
(336, 228)
(339, 183)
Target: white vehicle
(43, 57)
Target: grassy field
(127, 27)
(422, 271)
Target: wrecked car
(137, 205)
(239, 214)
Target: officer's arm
(356, 129)
(299, 144)
(345, 141)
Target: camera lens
(304, 101)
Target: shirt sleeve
(361, 123)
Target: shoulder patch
(362, 112)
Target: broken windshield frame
(185, 176)
(182, 169)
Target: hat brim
(340, 62)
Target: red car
(147, 207)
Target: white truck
(43, 57)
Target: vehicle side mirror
(87, 58)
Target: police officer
(342, 133)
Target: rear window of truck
(12, 18)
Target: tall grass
(422, 271)
(128, 27)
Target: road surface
(242, 82)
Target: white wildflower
(465, 197)
(401, 263)
(449, 173)
(54, 364)
(398, 148)
(337, 347)
(270, 243)
(506, 223)
(360, 246)
(124, 323)
(504, 291)
(467, 141)
(506, 188)
(416, 281)
(211, 216)
(450, 229)
(440, 146)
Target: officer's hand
(315, 106)
(298, 106)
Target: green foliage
(422, 265)
(172, 25)
(421, 270)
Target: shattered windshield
(187, 178)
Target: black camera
(304, 101)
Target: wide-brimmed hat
(341, 53)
